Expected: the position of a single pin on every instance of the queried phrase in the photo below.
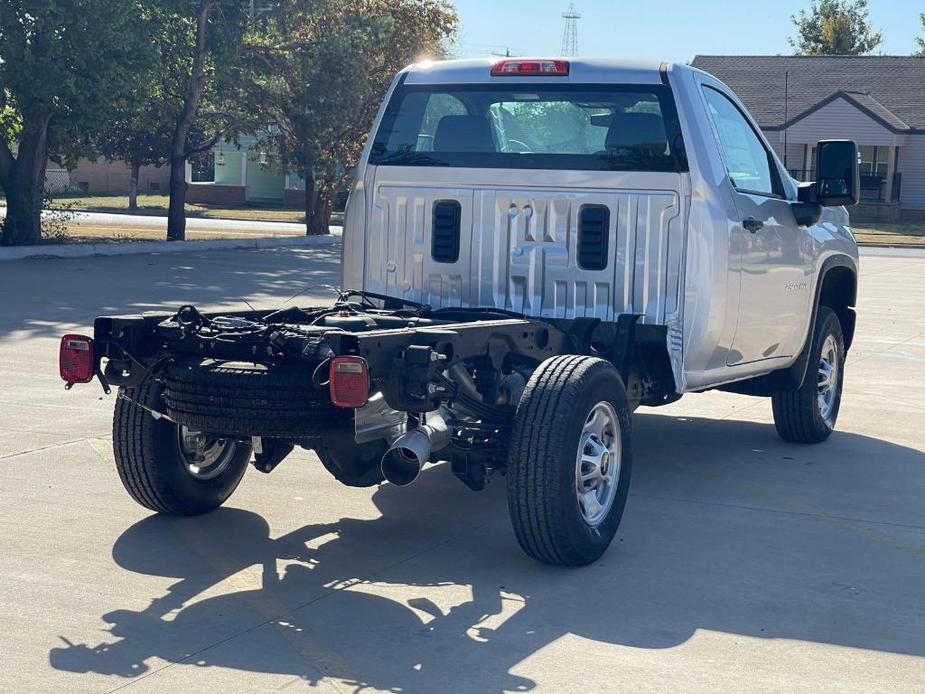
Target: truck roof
(581, 71)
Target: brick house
(102, 177)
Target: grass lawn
(86, 233)
(156, 206)
(891, 233)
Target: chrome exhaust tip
(405, 459)
(403, 462)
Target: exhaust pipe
(403, 462)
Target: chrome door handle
(753, 225)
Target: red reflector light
(349, 381)
(75, 359)
(530, 67)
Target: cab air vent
(593, 237)
(444, 241)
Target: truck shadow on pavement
(756, 538)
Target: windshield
(622, 128)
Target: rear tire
(808, 414)
(562, 511)
(154, 462)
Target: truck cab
(591, 189)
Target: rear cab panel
(522, 194)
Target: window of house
(748, 162)
(203, 168)
(874, 161)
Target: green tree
(920, 42)
(326, 65)
(139, 134)
(835, 27)
(64, 65)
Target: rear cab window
(532, 126)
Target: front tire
(808, 414)
(570, 460)
(166, 467)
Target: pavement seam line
(50, 446)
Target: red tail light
(349, 377)
(529, 67)
(75, 360)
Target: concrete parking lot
(743, 563)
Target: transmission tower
(570, 35)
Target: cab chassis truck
(533, 248)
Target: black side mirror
(838, 179)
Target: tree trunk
(176, 210)
(317, 208)
(24, 185)
(321, 219)
(133, 186)
(309, 200)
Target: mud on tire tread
(541, 465)
(250, 400)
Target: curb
(83, 250)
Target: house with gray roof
(877, 101)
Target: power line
(570, 35)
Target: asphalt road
(743, 563)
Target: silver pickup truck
(533, 248)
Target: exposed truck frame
(483, 332)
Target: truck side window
(748, 163)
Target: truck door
(771, 253)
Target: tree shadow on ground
(755, 538)
(56, 295)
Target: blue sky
(674, 30)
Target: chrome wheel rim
(205, 456)
(597, 469)
(827, 381)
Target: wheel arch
(839, 291)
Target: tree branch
(208, 144)
(197, 78)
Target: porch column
(890, 170)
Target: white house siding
(795, 150)
(775, 141)
(912, 167)
(840, 119)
